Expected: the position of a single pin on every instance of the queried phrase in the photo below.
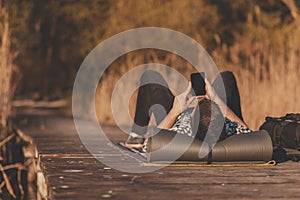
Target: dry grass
(267, 73)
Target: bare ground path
(72, 173)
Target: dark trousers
(154, 97)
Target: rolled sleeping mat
(182, 148)
(255, 146)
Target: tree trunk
(6, 66)
(10, 145)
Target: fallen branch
(20, 183)
(7, 182)
(7, 139)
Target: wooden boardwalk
(72, 173)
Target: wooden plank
(72, 173)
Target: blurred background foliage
(258, 40)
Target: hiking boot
(134, 141)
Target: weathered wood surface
(72, 173)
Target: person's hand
(210, 92)
(183, 100)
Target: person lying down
(181, 110)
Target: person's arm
(226, 111)
(181, 102)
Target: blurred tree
(53, 38)
(233, 16)
(194, 18)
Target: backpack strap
(297, 137)
(278, 128)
